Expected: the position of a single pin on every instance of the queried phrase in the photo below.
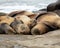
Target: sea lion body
(46, 22)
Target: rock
(30, 41)
(55, 33)
(27, 13)
(53, 6)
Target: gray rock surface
(48, 40)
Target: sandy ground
(48, 40)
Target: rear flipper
(6, 29)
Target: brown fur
(50, 17)
(6, 19)
(45, 23)
(19, 27)
(20, 12)
(27, 13)
(40, 28)
(57, 22)
(26, 20)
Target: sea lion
(46, 22)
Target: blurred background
(30, 5)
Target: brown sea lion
(45, 23)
